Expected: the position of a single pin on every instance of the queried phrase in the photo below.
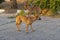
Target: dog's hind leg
(18, 27)
(18, 22)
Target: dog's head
(37, 16)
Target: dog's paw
(27, 32)
(33, 30)
(18, 30)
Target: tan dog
(26, 19)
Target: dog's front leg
(27, 28)
(31, 28)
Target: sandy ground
(45, 29)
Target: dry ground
(46, 29)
